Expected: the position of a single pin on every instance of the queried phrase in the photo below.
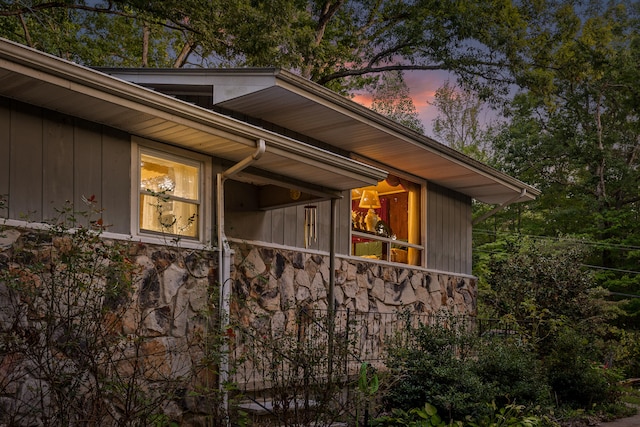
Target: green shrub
(513, 373)
(575, 379)
(462, 374)
(436, 368)
(425, 416)
(511, 415)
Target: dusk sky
(423, 85)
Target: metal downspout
(499, 208)
(224, 261)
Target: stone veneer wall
(160, 329)
(272, 285)
(157, 333)
(277, 280)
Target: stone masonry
(91, 357)
(277, 280)
(271, 286)
(145, 351)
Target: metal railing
(298, 359)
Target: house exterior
(279, 180)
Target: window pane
(168, 216)
(390, 210)
(169, 177)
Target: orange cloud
(422, 87)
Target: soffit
(296, 104)
(46, 81)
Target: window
(170, 194)
(386, 220)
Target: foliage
(391, 98)
(509, 415)
(368, 386)
(430, 370)
(543, 286)
(545, 283)
(498, 378)
(338, 43)
(462, 121)
(575, 379)
(75, 347)
(426, 416)
(459, 373)
(512, 372)
(574, 133)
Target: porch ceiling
(45, 81)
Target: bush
(513, 372)
(461, 374)
(575, 379)
(436, 368)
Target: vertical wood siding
(282, 226)
(448, 225)
(47, 159)
(448, 230)
(25, 177)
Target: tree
(461, 122)
(575, 133)
(542, 279)
(337, 43)
(391, 98)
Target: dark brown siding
(448, 230)
(47, 159)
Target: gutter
(523, 193)
(224, 262)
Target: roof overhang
(306, 108)
(283, 99)
(49, 82)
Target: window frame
(389, 242)
(141, 146)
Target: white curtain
(163, 180)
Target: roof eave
(82, 81)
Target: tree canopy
(337, 43)
(574, 131)
(392, 99)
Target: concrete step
(266, 407)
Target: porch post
(332, 285)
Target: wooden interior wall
(47, 158)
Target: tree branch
(186, 50)
(370, 68)
(25, 28)
(171, 24)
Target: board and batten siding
(449, 230)
(47, 159)
(282, 226)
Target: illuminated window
(169, 194)
(385, 221)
